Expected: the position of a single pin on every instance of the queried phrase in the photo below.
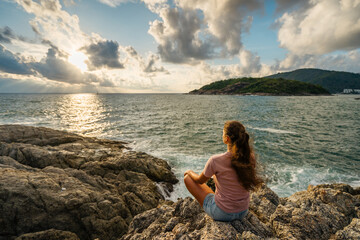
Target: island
(333, 81)
(59, 185)
(261, 86)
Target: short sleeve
(209, 169)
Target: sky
(159, 46)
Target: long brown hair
(243, 157)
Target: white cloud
(54, 24)
(113, 3)
(226, 20)
(323, 27)
(195, 30)
(347, 61)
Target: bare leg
(199, 191)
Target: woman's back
(230, 195)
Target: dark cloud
(103, 54)
(6, 34)
(55, 67)
(11, 63)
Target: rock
(352, 231)
(185, 219)
(52, 234)
(263, 203)
(321, 212)
(317, 213)
(89, 187)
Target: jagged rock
(185, 219)
(264, 202)
(317, 213)
(91, 187)
(352, 231)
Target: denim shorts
(217, 213)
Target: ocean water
(298, 140)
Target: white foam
(273, 130)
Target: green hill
(332, 81)
(261, 86)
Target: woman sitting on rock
(235, 175)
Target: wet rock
(90, 187)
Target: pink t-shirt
(230, 195)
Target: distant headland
(300, 82)
(261, 86)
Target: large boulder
(53, 183)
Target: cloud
(150, 65)
(349, 61)
(282, 5)
(198, 29)
(152, 4)
(56, 67)
(69, 3)
(11, 63)
(6, 34)
(178, 36)
(113, 3)
(250, 62)
(103, 54)
(54, 24)
(324, 26)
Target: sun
(78, 59)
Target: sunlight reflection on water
(82, 113)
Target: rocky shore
(58, 185)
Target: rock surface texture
(57, 185)
(321, 212)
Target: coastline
(55, 183)
(255, 94)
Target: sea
(298, 140)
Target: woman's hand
(200, 179)
(188, 172)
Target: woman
(234, 175)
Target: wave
(273, 130)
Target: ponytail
(243, 158)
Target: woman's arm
(200, 179)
